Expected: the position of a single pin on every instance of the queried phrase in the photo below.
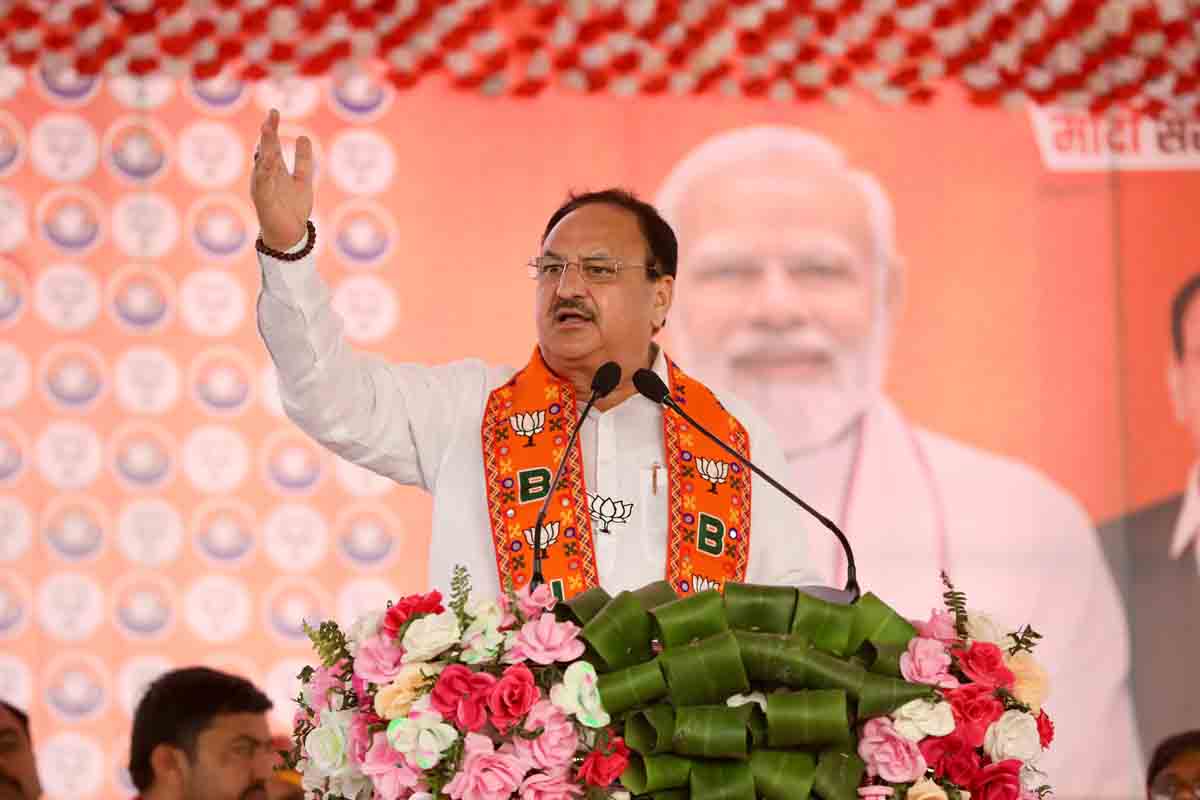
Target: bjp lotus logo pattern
(713, 471)
(607, 511)
(528, 424)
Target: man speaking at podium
(642, 495)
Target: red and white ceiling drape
(1090, 54)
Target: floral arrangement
(982, 734)
(757, 692)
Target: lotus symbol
(712, 471)
(528, 425)
(608, 511)
(549, 535)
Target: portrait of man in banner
(790, 283)
(1154, 552)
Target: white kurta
(1021, 549)
(420, 425)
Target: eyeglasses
(596, 269)
(1169, 787)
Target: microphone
(651, 386)
(603, 382)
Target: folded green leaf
(631, 687)
(838, 775)
(620, 633)
(650, 730)
(712, 731)
(783, 774)
(882, 695)
(654, 773)
(765, 609)
(688, 619)
(811, 719)
(706, 672)
(827, 625)
(722, 780)
(653, 595)
(581, 608)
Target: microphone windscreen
(606, 379)
(650, 385)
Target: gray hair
(743, 144)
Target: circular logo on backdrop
(66, 86)
(217, 608)
(295, 537)
(14, 376)
(358, 97)
(12, 144)
(142, 455)
(70, 606)
(212, 302)
(367, 306)
(222, 94)
(361, 596)
(13, 293)
(64, 147)
(16, 681)
(150, 532)
(220, 380)
(67, 296)
(362, 161)
(143, 93)
(215, 459)
(16, 529)
(73, 527)
(363, 233)
(210, 154)
(294, 96)
(140, 299)
(368, 536)
(220, 226)
(360, 481)
(135, 149)
(134, 678)
(146, 380)
(143, 605)
(291, 462)
(69, 455)
(223, 532)
(13, 453)
(14, 225)
(16, 604)
(290, 603)
(283, 687)
(145, 225)
(71, 765)
(76, 686)
(71, 219)
(73, 376)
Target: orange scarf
(526, 425)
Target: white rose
(919, 718)
(363, 628)
(1032, 777)
(742, 699)
(325, 745)
(982, 628)
(481, 642)
(487, 612)
(429, 636)
(352, 785)
(1014, 735)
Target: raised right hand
(282, 200)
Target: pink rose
(512, 697)
(550, 786)
(940, 626)
(533, 603)
(998, 781)
(927, 661)
(486, 774)
(875, 791)
(983, 663)
(556, 746)
(390, 774)
(460, 696)
(378, 659)
(324, 680)
(888, 754)
(544, 641)
(360, 738)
